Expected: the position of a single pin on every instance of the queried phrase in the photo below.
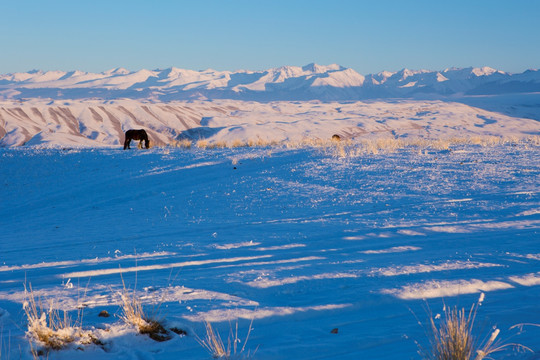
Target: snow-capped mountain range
(331, 82)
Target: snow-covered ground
(334, 250)
(301, 240)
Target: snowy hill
(310, 82)
(289, 103)
(97, 123)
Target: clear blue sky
(368, 36)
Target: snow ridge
(309, 82)
(98, 123)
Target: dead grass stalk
(213, 343)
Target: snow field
(298, 239)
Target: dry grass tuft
(50, 330)
(213, 343)
(217, 145)
(259, 142)
(184, 143)
(46, 327)
(202, 144)
(237, 143)
(366, 146)
(134, 315)
(453, 339)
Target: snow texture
(299, 240)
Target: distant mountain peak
(441, 77)
(485, 71)
(318, 69)
(311, 81)
(117, 71)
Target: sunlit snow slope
(103, 123)
(59, 108)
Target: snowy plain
(331, 252)
(299, 240)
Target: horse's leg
(139, 146)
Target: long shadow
(524, 105)
(198, 133)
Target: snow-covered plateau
(244, 214)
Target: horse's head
(147, 143)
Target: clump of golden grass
(366, 146)
(217, 145)
(213, 343)
(202, 144)
(51, 330)
(222, 144)
(237, 143)
(422, 146)
(132, 313)
(259, 142)
(184, 143)
(453, 338)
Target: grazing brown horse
(136, 135)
